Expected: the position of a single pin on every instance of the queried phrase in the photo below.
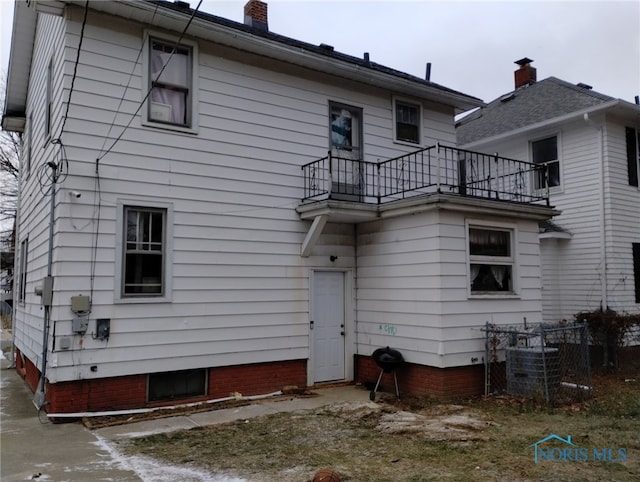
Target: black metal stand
(372, 395)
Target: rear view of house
(208, 207)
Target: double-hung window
(170, 71)
(144, 251)
(491, 260)
(545, 152)
(407, 125)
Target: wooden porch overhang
(335, 211)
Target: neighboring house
(591, 145)
(248, 213)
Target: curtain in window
(499, 273)
(171, 88)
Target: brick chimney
(526, 74)
(255, 15)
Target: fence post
(378, 186)
(544, 365)
(487, 366)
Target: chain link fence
(548, 363)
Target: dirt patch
(415, 440)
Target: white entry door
(328, 326)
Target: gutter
(547, 123)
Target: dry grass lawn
(420, 440)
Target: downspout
(603, 237)
(47, 291)
(604, 302)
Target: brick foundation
(127, 392)
(421, 380)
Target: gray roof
(526, 106)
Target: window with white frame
(491, 260)
(143, 272)
(170, 83)
(545, 152)
(22, 280)
(407, 125)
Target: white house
(590, 141)
(236, 211)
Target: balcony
(434, 170)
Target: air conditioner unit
(160, 112)
(533, 370)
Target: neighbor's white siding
(240, 290)
(599, 209)
(623, 218)
(413, 287)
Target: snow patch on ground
(151, 470)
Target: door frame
(349, 323)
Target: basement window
(176, 385)
(490, 260)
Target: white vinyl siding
(413, 288)
(239, 288)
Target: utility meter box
(79, 325)
(80, 304)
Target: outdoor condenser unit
(526, 369)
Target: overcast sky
(472, 45)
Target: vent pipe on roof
(526, 74)
(255, 15)
(427, 75)
(637, 99)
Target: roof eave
(550, 122)
(22, 38)
(164, 17)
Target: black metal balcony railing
(435, 169)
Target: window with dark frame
(407, 117)
(490, 260)
(636, 269)
(49, 99)
(170, 83)
(22, 280)
(176, 385)
(144, 251)
(632, 137)
(545, 151)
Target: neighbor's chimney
(525, 75)
(255, 15)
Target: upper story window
(345, 124)
(491, 260)
(144, 251)
(170, 72)
(407, 125)
(546, 151)
(633, 154)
